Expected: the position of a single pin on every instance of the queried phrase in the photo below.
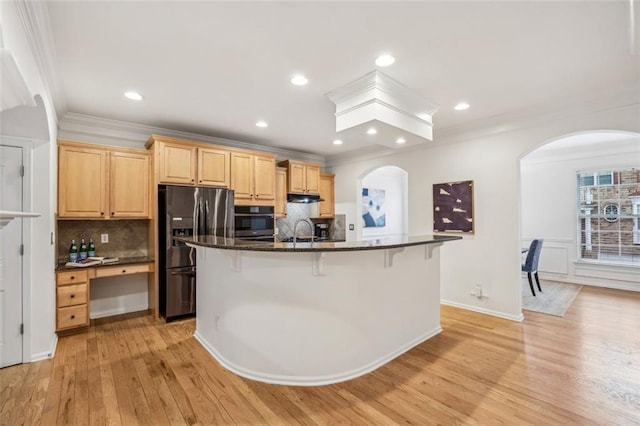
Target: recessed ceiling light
(400, 140)
(385, 60)
(337, 142)
(262, 123)
(372, 131)
(461, 106)
(134, 96)
(299, 80)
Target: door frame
(27, 148)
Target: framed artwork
(453, 207)
(373, 210)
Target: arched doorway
(560, 181)
(383, 197)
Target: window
(611, 212)
(590, 179)
(608, 209)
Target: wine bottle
(83, 250)
(73, 252)
(91, 251)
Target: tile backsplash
(296, 211)
(127, 238)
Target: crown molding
(88, 128)
(622, 98)
(34, 19)
(615, 100)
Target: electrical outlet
(104, 238)
(479, 291)
(351, 227)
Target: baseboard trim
(518, 318)
(46, 355)
(610, 284)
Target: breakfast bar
(315, 313)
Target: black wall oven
(254, 222)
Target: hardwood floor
(580, 369)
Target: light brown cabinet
(281, 192)
(187, 163)
(72, 295)
(73, 288)
(214, 167)
(102, 182)
(327, 208)
(253, 178)
(177, 163)
(302, 178)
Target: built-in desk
(73, 289)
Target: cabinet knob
(72, 277)
(191, 180)
(113, 213)
(72, 296)
(101, 213)
(200, 180)
(73, 317)
(257, 195)
(124, 271)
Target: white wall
(548, 182)
(39, 313)
(394, 182)
(491, 158)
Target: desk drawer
(70, 295)
(73, 316)
(72, 277)
(112, 271)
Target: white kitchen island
(315, 314)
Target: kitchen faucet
(295, 228)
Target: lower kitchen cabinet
(72, 300)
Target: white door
(10, 257)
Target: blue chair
(531, 263)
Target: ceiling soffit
(377, 100)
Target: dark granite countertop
(373, 244)
(121, 261)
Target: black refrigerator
(182, 212)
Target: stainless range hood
(303, 198)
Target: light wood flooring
(581, 369)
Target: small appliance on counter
(321, 231)
(182, 212)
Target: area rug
(554, 299)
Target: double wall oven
(255, 223)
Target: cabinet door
(129, 188)
(213, 167)
(177, 163)
(242, 175)
(326, 208)
(312, 179)
(281, 192)
(82, 183)
(297, 175)
(264, 178)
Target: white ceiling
(215, 68)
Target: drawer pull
(72, 296)
(73, 317)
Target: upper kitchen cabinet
(253, 178)
(102, 182)
(327, 208)
(129, 185)
(214, 167)
(176, 163)
(281, 192)
(182, 162)
(302, 178)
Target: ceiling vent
(378, 101)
